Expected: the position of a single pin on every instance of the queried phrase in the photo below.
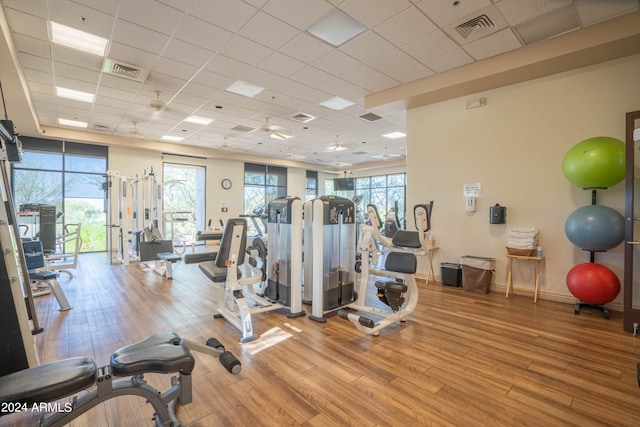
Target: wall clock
(226, 184)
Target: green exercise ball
(595, 163)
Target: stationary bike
(398, 289)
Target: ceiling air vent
(126, 71)
(302, 117)
(102, 128)
(370, 117)
(470, 28)
(481, 23)
(243, 129)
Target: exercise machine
(35, 260)
(18, 315)
(123, 232)
(235, 277)
(329, 249)
(396, 287)
(284, 257)
(164, 353)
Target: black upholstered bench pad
(213, 272)
(199, 257)
(48, 382)
(169, 256)
(401, 262)
(159, 353)
(391, 285)
(406, 239)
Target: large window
(311, 185)
(262, 183)
(68, 176)
(183, 209)
(387, 192)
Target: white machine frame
(236, 291)
(369, 234)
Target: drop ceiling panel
(374, 12)
(367, 47)
(245, 50)
(107, 6)
(300, 14)
(336, 63)
(37, 63)
(67, 12)
(77, 78)
(164, 19)
(132, 55)
(311, 76)
(517, 12)
(592, 12)
(281, 64)
(201, 33)
(26, 24)
(443, 13)
(36, 8)
(413, 73)
(136, 36)
(213, 80)
(449, 60)
(306, 48)
(230, 15)
(362, 75)
(393, 61)
(430, 46)
(406, 27)
(495, 44)
(32, 45)
(174, 69)
(187, 53)
(261, 77)
(270, 31)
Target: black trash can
(450, 274)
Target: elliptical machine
(398, 289)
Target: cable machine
(17, 346)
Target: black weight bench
(164, 353)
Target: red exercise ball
(593, 283)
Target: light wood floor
(462, 359)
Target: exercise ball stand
(592, 258)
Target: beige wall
(514, 148)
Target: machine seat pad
(391, 285)
(161, 353)
(401, 262)
(168, 256)
(48, 382)
(214, 273)
(43, 275)
(197, 258)
(406, 239)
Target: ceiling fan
(225, 145)
(337, 145)
(275, 132)
(386, 155)
(292, 156)
(157, 105)
(134, 131)
(338, 163)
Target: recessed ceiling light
(77, 95)
(244, 88)
(76, 39)
(337, 103)
(394, 135)
(198, 120)
(172, 138)
(336, 28)
(72, 123)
